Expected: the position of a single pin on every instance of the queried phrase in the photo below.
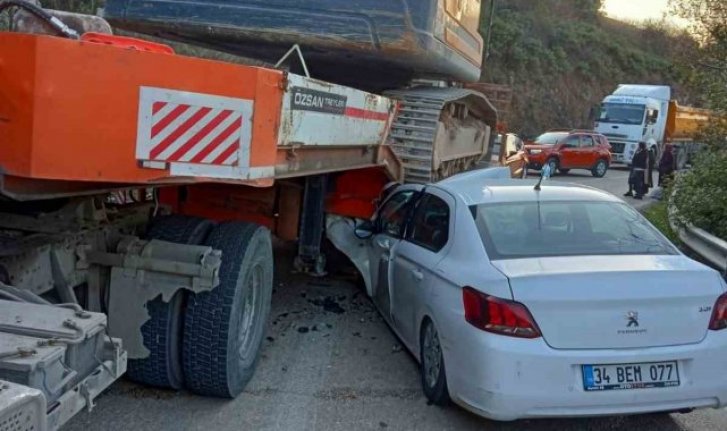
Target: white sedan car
(560, 302)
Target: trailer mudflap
(143, 270)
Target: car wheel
(600, 169)
(553, 163)
(434, 377)
(564, 171)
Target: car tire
(433, 375)
(553, 163)
(563, 171)
(600, 168)
(162, 333)
(224, 328)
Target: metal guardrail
(709, 247)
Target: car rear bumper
(506, 379)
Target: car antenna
(544, 174)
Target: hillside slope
(562, 56)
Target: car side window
(393, 214)
(430, 225)
(572, 142)
(587, 141)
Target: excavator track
(439, 132)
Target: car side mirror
(364, 230)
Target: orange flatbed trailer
(72, 114)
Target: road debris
(329, 304)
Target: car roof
(572, 132)
(476, 189)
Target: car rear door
(414, 263)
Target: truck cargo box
(370, 44)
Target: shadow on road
(656, 422)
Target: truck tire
(223, 328)
(163, 331)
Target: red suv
(564, 150)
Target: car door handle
(418, 275)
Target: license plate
(630, 376)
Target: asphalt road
(615, 181)
(340, 369)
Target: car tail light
(499, 316)
(719, 315)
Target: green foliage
(562, 57)
(658, 215)
(701, 195)
(706, 66)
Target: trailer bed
(80, 116)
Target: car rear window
(532, 229)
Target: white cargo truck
(636, 113)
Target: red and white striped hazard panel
(178, 127)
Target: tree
(707, 66)
(701, 194)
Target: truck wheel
(600, 169)
(163, 331)
(223, 328)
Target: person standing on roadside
(666, 166)
(651, 165)
(639, 164)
